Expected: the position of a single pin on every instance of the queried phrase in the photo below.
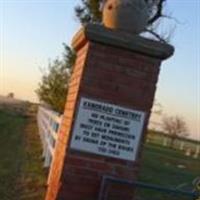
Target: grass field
(21, 174)
(169, 168)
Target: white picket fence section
(48, 125)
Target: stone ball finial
(126, 15)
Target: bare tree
(175, 127)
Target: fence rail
(187, 146)
(48, 124)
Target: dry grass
(22, 176)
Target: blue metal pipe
(152, 187)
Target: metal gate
(142, 191)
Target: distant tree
(53, 87)
(175, 127)
(11, 95)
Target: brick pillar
(114, 77)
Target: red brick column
(113, 68)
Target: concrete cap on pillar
(100, 34)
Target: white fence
(48, 124)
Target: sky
(32, 33)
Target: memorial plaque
(107, 129)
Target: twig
(156, 35)
(158, 14)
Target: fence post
(47, 161)
(165, 141)
(182, 144)
(197, 152)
